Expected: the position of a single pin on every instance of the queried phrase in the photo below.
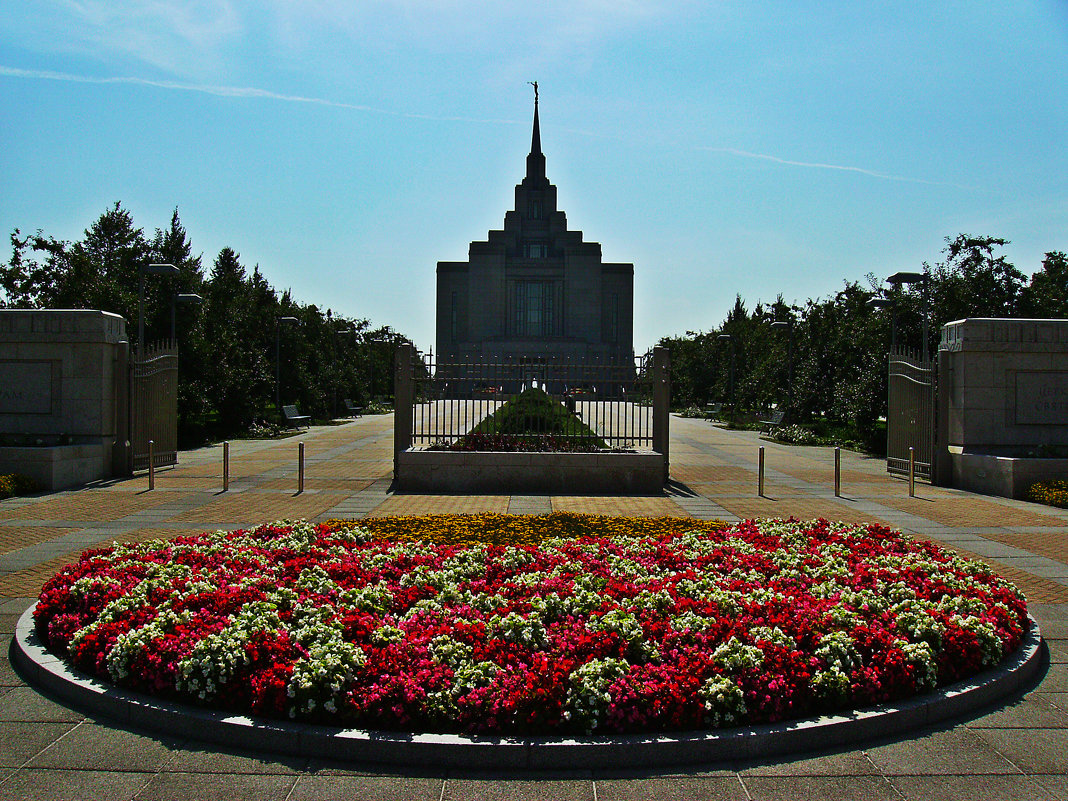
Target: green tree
(973, 281)
(235, 378)
(1047, 294)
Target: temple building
(535, 292)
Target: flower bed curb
(502, 753)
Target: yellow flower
(490, 528)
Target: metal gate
(154, 405)
(910, 417)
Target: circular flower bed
(533, 625)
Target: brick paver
(1015, 750)
(442, 504)
(614, 506)
(94, 505)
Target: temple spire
(536, 160)
(535, 139)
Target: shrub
(531, 421)
(14, 484)
(1051, 493)
(794, 435)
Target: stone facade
(534, 290)
(1003, 403)
(63, 390)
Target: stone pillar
(1005, 397)
(941, 467)
(661, 403)
(62, 383)
(121, 452)
(402, 404)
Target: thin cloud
(235, 91)
(821, 166)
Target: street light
(730, 374)
(887, 303)
(896, 280)
(278, 363)
(151, 269)
(789, 326)
(182, 297)
(340, 332)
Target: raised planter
(44, 670)
(495, 472)
(1004, 476)
(59, 466)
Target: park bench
(713, 411)
(295, 418)
(773, 420)
(352, 408)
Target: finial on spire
(535, 161)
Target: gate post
(121, 453)
(941, 469)
(402, 404)
(661, 403)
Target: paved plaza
(1018, 750)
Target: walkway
(1016, 751)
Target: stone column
(121, 453)
(941, 468)
(402, 404)
(661, 403)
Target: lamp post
(182, 297)
(151, 269)
(730, 374)
(896, 280)
(789, 326)
(278, 363)
(888, 303)
(340, 332)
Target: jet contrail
(818, 165)
(234, 91)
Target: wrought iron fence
(154, 405)
(910, 418)
(455, 404)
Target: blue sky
(723, 147)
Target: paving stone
(193, 757)
(670, 788)
(25, 704)
(819, 788)
(8, 676)
(941, 752)
(366, 788)
(1056, 785)
(971, 788)
(1036, 711)
(23, 741)
(1056, 679)
(169, 786)
(849, 763)
(1032, 752)
(1052, 619)
(90, 746)
(16, 606)
(517, 790)
(73, 785)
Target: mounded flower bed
(533, 625)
